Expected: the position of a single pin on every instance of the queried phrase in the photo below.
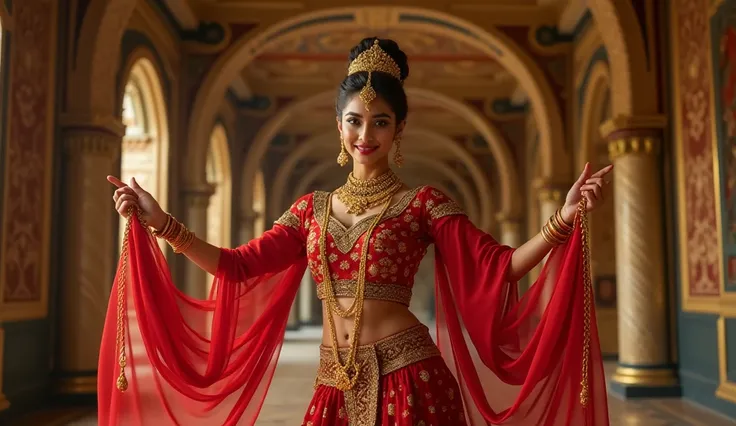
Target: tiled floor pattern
(292, 387)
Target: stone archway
(145, 148)
(633, 79)
(599, 82)
(509, 182)
(97, 60)
(482, 212)
(494, 43)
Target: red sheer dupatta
(194, 362)
(519, 361)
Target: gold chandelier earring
(398, 158)
(342, 158)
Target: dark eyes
(378, 123)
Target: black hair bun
(390, 47)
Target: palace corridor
(225, 112)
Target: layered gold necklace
(347, 373)
(360, 195)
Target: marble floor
(292, 387)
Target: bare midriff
(380, 319)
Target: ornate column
(89, 255)
(644, 363)
(196, 201)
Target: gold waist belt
(375, 360)
(398, 293)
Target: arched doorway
(219, 175)
(146, 142)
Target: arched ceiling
(319, 61)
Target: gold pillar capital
(633, 144)
(551, 191)
(632, 124)
(508, 219)
(198, 195)
(93, 122)
(633, 135)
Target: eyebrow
(381, 115)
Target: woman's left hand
(588, 186)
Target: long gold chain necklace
(346, 374)
(360, 195)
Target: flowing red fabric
(194, 362)
(518, 361)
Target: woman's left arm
(531, 253)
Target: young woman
(499, 359)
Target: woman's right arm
(275, 250)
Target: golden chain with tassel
(587, 300)
(346, 374)
(122, 381)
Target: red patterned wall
(696, 141)
(27, 168)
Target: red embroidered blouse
(397, 245)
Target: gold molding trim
(724, 303)
(77, 385)
(633, 145)
(640, 122)
(645, 376)
(106, 123)
(95, 143)
(726, 389)
(546, 194)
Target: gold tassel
(122, 381)
(342, 158)
(398, 158)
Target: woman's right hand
(135, 196)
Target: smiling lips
(365, 149)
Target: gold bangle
(550, 237)
(556, 231)
(176, 235)
(564, 226)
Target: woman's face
(368, 135)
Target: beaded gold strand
(122, 382)
(347, 374)
(587, 301)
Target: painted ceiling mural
(322, 57)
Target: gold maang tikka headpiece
(373, 59)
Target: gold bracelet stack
(176, 234)
(556, 231)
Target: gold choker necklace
(361, 195)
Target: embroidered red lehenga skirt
(404, 382)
